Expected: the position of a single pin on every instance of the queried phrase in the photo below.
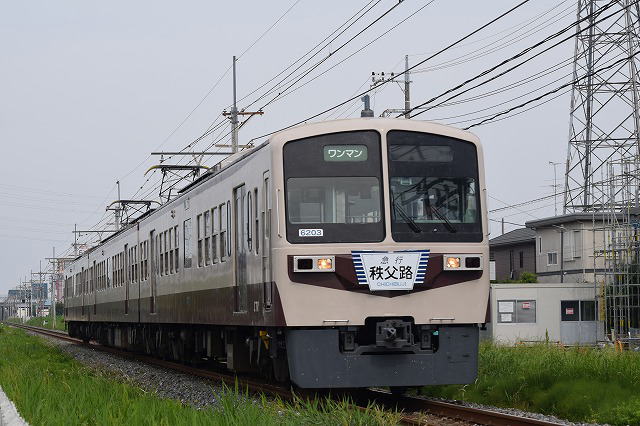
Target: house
(565, 247)
(513, 253)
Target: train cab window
(214, 235)
(333, 188)
(186, 232)
(223, 232)
(207, 238)
(434, 188)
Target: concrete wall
(547, 300)
(507, 260)
(579, 242)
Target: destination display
(337, 153)
(396, 270)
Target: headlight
(452, 262)
(324, 263)
(462, 262)
(314, 263)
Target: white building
(562, 312)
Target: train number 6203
(310, 233)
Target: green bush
(528, 277)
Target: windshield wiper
(452, 229)
(412, 223)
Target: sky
(89, 89)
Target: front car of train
(380, 252)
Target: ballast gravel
(189, 390)
(200, 393)
(516, 412)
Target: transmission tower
(604, 112)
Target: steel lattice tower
(604, 112)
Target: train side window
(176, 247)
(167, 241)
(146, 259)
(141, 249)
(256, 235)
(170, 250)
(227, 213)
(200, 237)
(135, 264)
(160, 254)
(214, 235)
(207, 238)
(249, 222)
(223, 232)
(186, 231)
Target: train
(339, 254)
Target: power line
(460, 40)
(513, 58)
(284, 94)
(550, 92)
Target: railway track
(413, 408)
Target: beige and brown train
(348, 253)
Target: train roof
(303, 131)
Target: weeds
(578, 384)
(50, 388)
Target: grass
(578, 384)
(44, 322)
(50, 388)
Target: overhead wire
(591, 17)
(451, 45)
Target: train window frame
(200, 237)
(167, 252)
(228, 210)
(214, 235)
(186, 237)
(171, 253)
(223, 232)
(159, 255)
(207, 237)
(256, 216)
(462, 170)
(176, 248)
(249, 220)
(340, 231)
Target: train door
(127, 280)
(152, 271)
(239, 247)
(266, 240)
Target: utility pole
(377, 78)
(117, 210)
(234, 114)
(407, 84)
(54, 277)
(235, 126)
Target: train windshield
(333, 188)
(433, 183)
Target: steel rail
(413, 408)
